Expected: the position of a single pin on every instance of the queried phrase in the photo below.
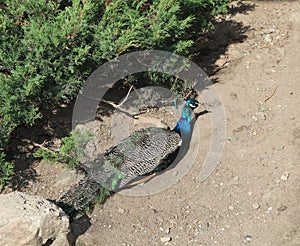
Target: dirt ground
(253, 196)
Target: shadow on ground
(55, 124)
(78, 227)
(212, 45)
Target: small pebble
(254, 118)
(285, 176)
(236, 178)
(165, 239)
(268, 38)
(255, 205)
(221, 62)
(281, 208)
(248, 238)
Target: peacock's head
(183, 124)
(192, 103)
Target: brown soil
(253, 195)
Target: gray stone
(255, 205)
(165, 239)
(285, 176)
(31, 220)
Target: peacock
(142, 153)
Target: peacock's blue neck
(183, 125)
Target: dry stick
(269, 97)
(118, 106)
(40, 145)
(125, 99)
(265, 46)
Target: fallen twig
(40, 145)
(269, 97)
(118, 106)
(125, 99)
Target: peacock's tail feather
(82, 196)
(94, 188)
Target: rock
(282, 208)
(268, 38)
(220, 62)
(285, 176)
(31, 220)
(254, 118)
(248, 238)
(165, 239)
(255, 205)
(236, 178)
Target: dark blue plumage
(183, 125)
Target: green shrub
(48, 48)
(6, 170)
(71, 151)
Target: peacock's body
(139, 154)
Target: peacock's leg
(143, 180)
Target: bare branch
(40, 145)
(125, 99)
(118, 106)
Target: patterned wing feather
(142, 151)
